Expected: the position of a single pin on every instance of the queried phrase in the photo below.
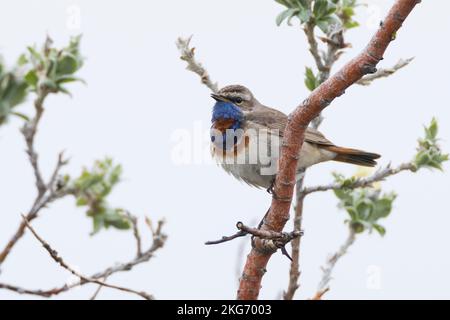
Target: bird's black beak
(218, 97)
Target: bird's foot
(271, 188)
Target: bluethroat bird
(246, 137)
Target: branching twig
(188, 54)
(294, 270)
(46, 192)
(51, 193)
(56, 188)
(238, 234)
(275, 241)
(321, 97)
(384, 73)
(97, 291)
(58, 259)
(380, 175)
(29, 132)
(136, 234)
(159, 239)
(331, 263)
(313, 46)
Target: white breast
(254, 160)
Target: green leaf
(328, 23)
(67, 64)
(351, 24)
(31, 78)
(382, 208)
(20, 115)
(380, 229)
(23, 60)
(311, 81)
(364, 209)
(432, 130)
(285, 15)
(68, 79)
(320, 8)
(97, 223)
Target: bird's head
(240, 96)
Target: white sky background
(139, 94)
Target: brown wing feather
(276, 120)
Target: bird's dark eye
(238, 100)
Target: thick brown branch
(321, 97)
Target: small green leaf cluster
(346, 12)
(365, 206)
(326, 14)
(52, 68)
(429, 154)
(47, 69)
(300, 9)
(91, 189)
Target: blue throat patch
(227, 111)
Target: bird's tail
(354, 156)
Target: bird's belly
(249, 173)
(254, 160)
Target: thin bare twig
(58, 259)
(380, 175)
(159, 239)
(52, 192)
(327, 270)
(294, 270)
(384, 73)
(97, 291)
(134, 223)
(319, 295)
(136, 234)
(188, 54)
(313, 45)
(275, 240)
(46, 192)
(238, 234)
(29, 132)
